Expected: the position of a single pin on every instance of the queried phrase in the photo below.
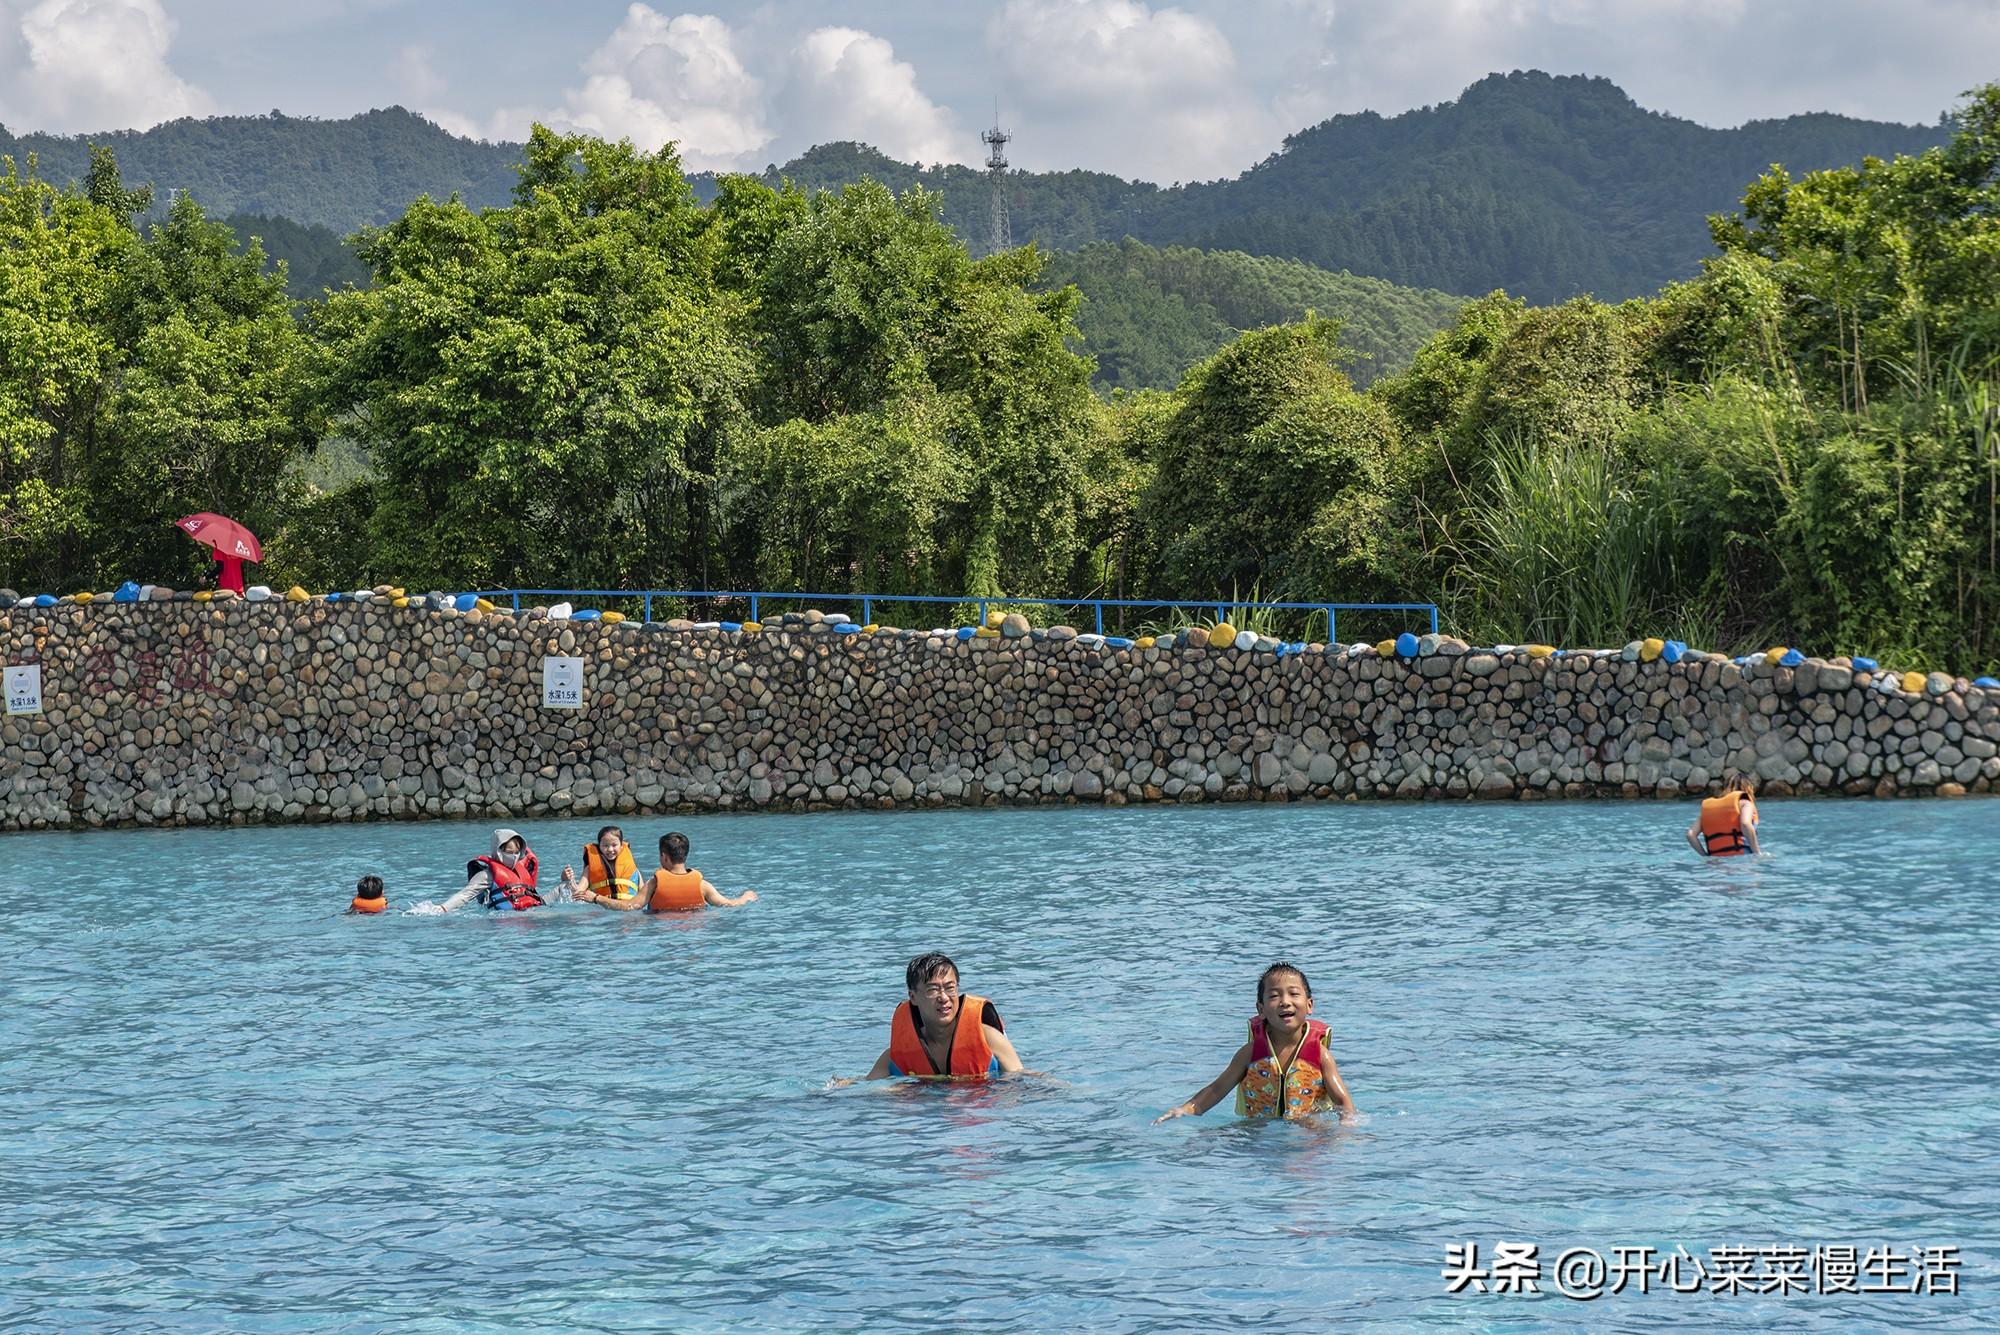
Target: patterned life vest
(1269, 1090)
(971, 1059)
(510, 887)
(622, 883)
(360, 905)
(676, 891)
(1723, 820)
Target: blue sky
(1166, 92)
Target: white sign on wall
(562, 683)
(24, 689)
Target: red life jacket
(511, 887)
(1269, 1089)
(970, 1057)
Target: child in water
(369, 896)
(1286, 1069)
(678, 888)
(1726, 826)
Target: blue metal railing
(1224, 607)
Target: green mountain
(1546, 186)
(1149, 313)
(341, 174)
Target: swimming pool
(230, 1108)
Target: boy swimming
(369, 897)
(678, 888)
(1286, 1069)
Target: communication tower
(995, 140)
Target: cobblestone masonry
(172, 711)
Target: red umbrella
(226, 536)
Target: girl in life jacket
(610, 876)
(941, 1033)
(1286, 1069)
(1726, 826)
(504, 879)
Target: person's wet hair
(674, 846)
(368, 887)
(925, 967)
(1277, 970)
(609, 829)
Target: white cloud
(733, 102)
(415, 80)
(79, 65)
(657, 79)
(1119, 86)
(846, 84)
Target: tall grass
(1566, 545)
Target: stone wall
(188, 712)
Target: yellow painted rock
(1651, 650)
(753, 626)
(1539, 650)
(399, 601)
(987, 633)
(1221, 633)
(1771, 656)
(871, 628)
(1145, 641)
(398, 593)
(295, 594)
(993, 619)
(484, 605)
(203, 595)
(85, 597)
(1913, 682)
(1386, 648)
(612, 618)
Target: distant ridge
(1547, 186)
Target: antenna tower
(995, 140)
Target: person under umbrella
(230, 542)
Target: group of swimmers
(1284, 1069)
(508, 879)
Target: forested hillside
(1545, 186)
(1148, 313)
(341, 174)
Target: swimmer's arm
(1211, 1094)
(465, 896)
(606, 901)
(1336, 1088)
(1750, 836)
(1694, 838)
(714, 896)
(1002, 1047)
(879, 1071)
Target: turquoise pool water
(228, 1108)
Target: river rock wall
(174, 711)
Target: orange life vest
(1723, 821)
(361, 905)
(622, 883)
(1294, 1090)
(676, 891)
(971, 1059)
